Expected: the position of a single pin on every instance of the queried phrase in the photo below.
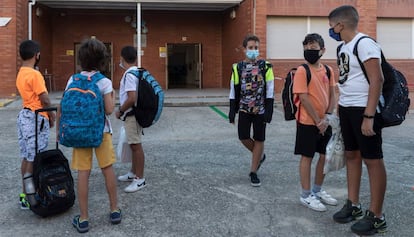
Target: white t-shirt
(353, 86)
(105, 86)
(129, 82)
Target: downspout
(139, 33)
(254, 17)
(29, 26)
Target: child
(251, 94)
(93, 56)
(312, 133)
(31, 86)
(127, 95)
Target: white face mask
(122, 66)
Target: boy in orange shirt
(316, 99)
(31, 86)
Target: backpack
(394, 90)
(150, 98)
(52, 179)
(288, 99)
(82, 117)
(237, 67)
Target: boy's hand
(52, 118)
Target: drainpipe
(139, 33)
(31, 4)
(254, 17)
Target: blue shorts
(26, 133)
(351, 120)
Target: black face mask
(37, 61)
(312, 55)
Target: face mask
(252, 54)
(122, 66)
(334, 35)
(312, 55)
(37, 61)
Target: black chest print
(343, 64)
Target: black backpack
(288, 99)
(53, 181)
(150, 99)
(394, 90)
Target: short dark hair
(346, 13)
(314, 37)
(250, 38)
(93, 55)
(28, 49)
(129, 54)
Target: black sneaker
(254, 179)
(261, 161)
(369, 225)
(348, 213)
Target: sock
(357, 205)
(305, 193)
(316, 188)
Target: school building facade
(190, 43)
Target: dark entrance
(184, 65)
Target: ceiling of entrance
(172, 5)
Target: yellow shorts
(133, 130)
(105, 155)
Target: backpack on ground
(394, 90)
(288, 99)
(150, 98)
(52, 179)
(82, 118)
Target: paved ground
(198, 185)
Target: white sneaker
(313, 203)
(127, 177)
(326, 198)
(135, 185)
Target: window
(395, 37)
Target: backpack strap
(308, 73)
(361, 64)
(97, 76)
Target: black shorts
(351, 121)
(245, 123)
(309, 140)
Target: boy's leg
(353, 174)
(110, 183)
(83, 182)
(319, 175)
(257, 153)
(138, 160)
(378, 183)
(305, 172)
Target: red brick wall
(234, 31)
(8, 45)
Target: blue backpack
(150, 99)
(82, 118)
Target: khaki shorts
(133, 130)
(105, 155)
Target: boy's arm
(45, 101)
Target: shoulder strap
(339, 49)
(361, 64)
(97, 76)
(308, 72)
(328, 71)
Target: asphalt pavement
(197, 180)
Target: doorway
(108, 67)
(184, 66)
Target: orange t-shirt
(31, 84)
(317, 90)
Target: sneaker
(81, 226)
(326, 198)
(369, 225)
(127, 177)
(24, 204)
(135, 185)
(115, 216)
(261, 161)
(255, 181)
(313, 203)
(348, 213)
